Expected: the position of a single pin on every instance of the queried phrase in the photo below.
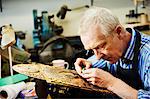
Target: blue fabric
(143, 65)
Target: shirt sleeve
(145, 73)
(97, 63)
(143, 94)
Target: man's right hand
(80, 64)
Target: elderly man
(123, 55)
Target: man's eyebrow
(100, 44)
(96, 45)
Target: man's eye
(96, 47)
(103, 45)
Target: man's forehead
(92, 41)
(92, 36)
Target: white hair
(98, 16)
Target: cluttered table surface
(58, 76)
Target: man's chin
(112, 61)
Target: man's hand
(98, 77)
(104, 79)
(80, 64)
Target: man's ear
(118, 30)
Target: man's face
(106, 47)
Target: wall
(19, 13)
(121, 7)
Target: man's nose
(98, 54)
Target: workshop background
(19, 13)
(40, 31)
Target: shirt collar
(128, 55)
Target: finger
(78, 69)
(92, 80)
(84, 63)
(87, 64)
(92, 72)
(88, 71)
(78, 66)
(86, 76)
(81, 63)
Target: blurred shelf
(146, 32)
(137, 24)
(142, 27)
(1, 5)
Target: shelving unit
(1, 5)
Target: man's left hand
(98, 77)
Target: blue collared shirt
(143, 65)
